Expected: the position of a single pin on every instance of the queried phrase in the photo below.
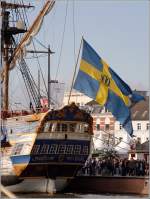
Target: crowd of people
(115, 166)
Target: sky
(117, 30)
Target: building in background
(140, 121)
(141, 151)
(107, 128)
(76, 97)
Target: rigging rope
(75, 63)
(75, 71)
(73, 18)
(33, 57)
(16, 15)
(24, 92)
(116, 138)
(40, 43)
(112, 145)
(36, 54)
(66, 12)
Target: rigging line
(25, 86)
(74, 29)
(75, 71)
(33, 83)
(23, 92)
(40, 43)
(18, 36)
(13, 18)
(66, 12)
(32, 57)
(28, 77)
(40, 67)
(112, 145)
(53, 27)
(36, 55)
(117, 138)
(19, 14)
(41, 90)
(30, 80)
(23, 13)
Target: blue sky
(117, 30)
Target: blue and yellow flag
(98, 81)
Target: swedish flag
(98, 81)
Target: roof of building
(140, 111)
(143, 147)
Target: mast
(7, 37)
(49, 77)
(6, 45)
(49, 81)
(39, 94)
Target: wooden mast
(8, 61)
(6, 80)
(7, 33)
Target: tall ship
(43, 148)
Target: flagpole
(75, 70)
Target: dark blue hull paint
(52, 158)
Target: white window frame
(45, 149)
(61, 149)
(53, 149)
(138, 126)
(77, 149)
(69, 149)
(85, 150)
(36, 149)
(148, 126)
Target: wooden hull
(113, 185)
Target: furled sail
(33, 30)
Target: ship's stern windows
(86, 128)
(48, 127)
(64, 127)
(69, 127)
(58, 127)
(72, 127)
(55, 127)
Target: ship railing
(15, 113)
